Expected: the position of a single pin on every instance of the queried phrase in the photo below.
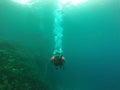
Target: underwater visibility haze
(86, 32)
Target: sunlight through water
(58, 29)
(26, 2)
(72, 2)
(58, 18)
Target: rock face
(15, 73)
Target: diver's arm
(52, 58)
(63, 58)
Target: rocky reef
(15, 73)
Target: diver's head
(57, 54)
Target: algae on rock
(15, 73)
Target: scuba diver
(58, 60)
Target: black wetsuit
(58, 61)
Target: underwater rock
(15, 72)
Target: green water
(91, 41)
